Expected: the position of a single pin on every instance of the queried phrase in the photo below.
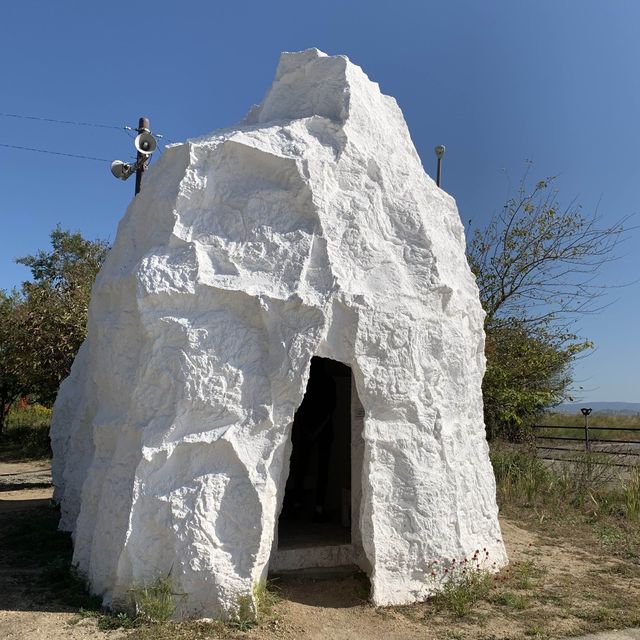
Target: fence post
(585, 412)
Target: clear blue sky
(497, 82)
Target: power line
(72, 122)
(55, 153)
(127, 130)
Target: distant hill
(626, 408)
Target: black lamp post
(439, 153)
(585, 412)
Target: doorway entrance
(317, 505)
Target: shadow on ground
(35, 561)
(327, 593)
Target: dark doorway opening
(317, 502)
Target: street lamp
(585, 412)
(439, 153)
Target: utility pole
(145, 145)
(141, 158)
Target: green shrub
(32, 415)
(631, 495)
(266, 598)
(519, 474)
(244, 617)
(251, 611)
(460, 584)
(463, 590)
(26, 434)
(154, 603)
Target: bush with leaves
(13, 379)
(537, 267)
(528, 370)
(55, 305)
(43, 325)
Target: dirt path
(563, 571)
(554, 588)
(25, 476)
(25, 488)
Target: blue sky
(497, 82)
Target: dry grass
(575, 568)
(545, 592)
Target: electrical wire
(55, 153)
(160, 136)
(72, 122)
(128, 130)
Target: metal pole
(585, 413)
(141, 158)
(439, 153)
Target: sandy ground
(27, 486)
(22, 483)
(334, 608)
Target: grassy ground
(34, 545)
(605, 510)
(574, 545)
(39, 558)
(562, 580)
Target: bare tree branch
(537, 254)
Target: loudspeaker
(145, 143)
(122, 170)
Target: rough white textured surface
(309, 229)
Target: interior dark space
(317, 502)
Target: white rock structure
(310, 229)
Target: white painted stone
(338, 555)
(309, 229)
